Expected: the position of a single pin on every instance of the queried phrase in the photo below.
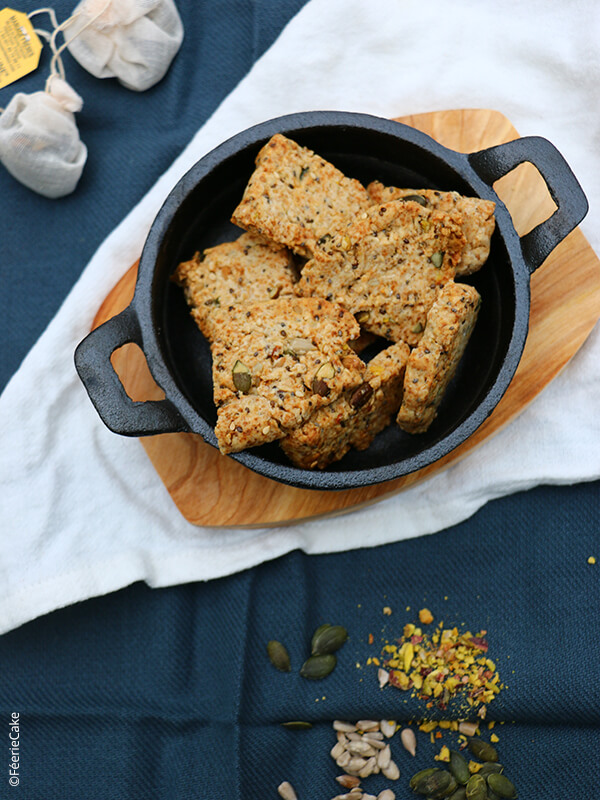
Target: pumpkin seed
(437, 785)
(491, 795)
(416, 198)
(489, 767)
(482, 750)
(437, 259)
(242, 380)
(459, 794)
(328, 640)
(459, 767)
(278, 656)
(317, 667)
(419, 776)
(315, 636)
(501, 785)
(362, 395)
(297, 724)
(417, 328)
(362, 316)
(476, 788)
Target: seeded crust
(244, 271)
(478, 219)
(380, 268)
(351, 421)
(432, 364)
(294, 197)
(296, 354)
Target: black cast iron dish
(196, 215)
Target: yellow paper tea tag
(20, 46)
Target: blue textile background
(168, 693)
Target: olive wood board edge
(214, 490)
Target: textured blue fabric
(169, 693)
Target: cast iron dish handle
(117, 410)
(572, 206)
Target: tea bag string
(56, 63)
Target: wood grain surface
(211, 489)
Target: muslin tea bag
(39, 138)
(131, 40)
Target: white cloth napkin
(83, 511)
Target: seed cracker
(388, 268)
(246, 270)
(295, 197)
(296, 357)
(355, 418)
(432, 364)
(478, 219)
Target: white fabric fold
(83, 511)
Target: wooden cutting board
(211, 489)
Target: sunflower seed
(368, 768)
(367, 725)
(356, 764)
(348, 781)
(409, 740)
(343, 760)
(387, 794)
(384, 757)
(341, 737)
(369, 797)
(391, 772)
(373, 735)
(286, 791)
(354, 737)
(383, 677)
(361, 749)
(468, 728)
(376, 743)
(388, 727)
(344, 727)
(337, 750)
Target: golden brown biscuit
(478, 218)
(355, 418)
(295, 197)
(432, 364)
(244, 271)
(388, 267)
(275, 363)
